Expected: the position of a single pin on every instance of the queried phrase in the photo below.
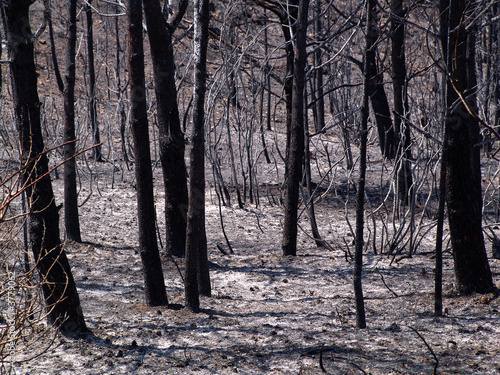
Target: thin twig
(387, 286)
(428, 347)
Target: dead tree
(296, 152)
(58, 285)
(71, 218)
(463, 173)
(197, 280)
(403, 176)
(146, 213)
(171, 137)
(92, 84)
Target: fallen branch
(428, 347)
(385, 284)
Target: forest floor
(268, 314)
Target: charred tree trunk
(92, 105)
(146, 214)
(463, 176)
(296, 154)
(197, 280)
(288, 18)
(58, 286)
(318, 75)
(71, 219)
(171, 138)
(404, 180)
(380, 104)
(360, 194)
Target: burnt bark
(296, 134)
(58, 286)
(404, 179)
(92, 84)
(197, 280)
(71, 218)
(171, 137)
(376, 91)
(360, 193)
(146, 214)
(463, 175)
(288, 19)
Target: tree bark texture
(171, 138)
(71, 218)
(463, 175)
(197, 279)
(58, 286)
(146, 214)
(296, 153)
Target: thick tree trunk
(71, 218)
(197, 278)
(58, 286)
(171, 137)
(404, 180)
(146, 214)
(463, 175)
(296, 153)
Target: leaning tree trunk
(71, 218)
(197, 278)
(171, 137)
(58, 286)
(463, 175)
(296, 153)
(148, 246)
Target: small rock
(485, 300)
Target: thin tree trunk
(197, 279)
(171, 137)
(438, 276)
(146, 214)
(360, 194)
(318, 74)
(92, 104)
(71, 218)
(296, 152)
(58, 286)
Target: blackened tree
(71, 218)
(171, 138)
(148, 246)
(404, 179)
(58, 286)
(462, 159)
(197, 280)
(92, 84)
(296, 152)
